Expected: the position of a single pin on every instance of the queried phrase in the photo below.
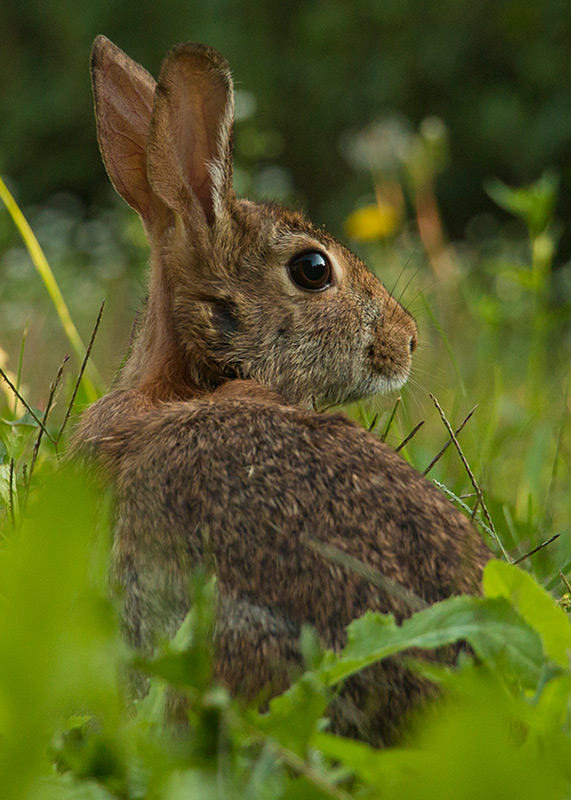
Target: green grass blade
(19, 373)
(92, 382)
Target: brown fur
(208, 436)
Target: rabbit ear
(124, 94)
(190, 141)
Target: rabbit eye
(310, 271)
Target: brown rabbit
(209, 438)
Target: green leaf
(26, 421)
(198, 784)
(186, 659)
(67, 787)
(479, 722)
(59, 644)
(267, 776)
(14, 435)
(303, 788)
(495, 630)
(553, 703)
(363, 760)
(5, 490)
(534, 203)
(534, 604)
(293, 716)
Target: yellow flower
(375, 221)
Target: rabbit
(210, 436)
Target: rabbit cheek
(225, 318)
(226, 324)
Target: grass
(496, 335)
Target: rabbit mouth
(385, 381)
(390, 384)
(371, 384)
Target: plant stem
(93, 384)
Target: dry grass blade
(441, 452)
(53, 389)
(373, 423)
(375, 577)
(471, 476)
(27, 406)
(537, 549)
(391, 418)
(81, 371)
(565, 581)
(413, 432)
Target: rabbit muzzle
(394, 341)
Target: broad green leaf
(495, 630)
(293, 716)
(59, 645)
(535, 605)
(483, 741)
(553, 703)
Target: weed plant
(494, 321)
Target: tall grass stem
(92, 381)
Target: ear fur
(189, 149)
(124, 95)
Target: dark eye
(310, 271)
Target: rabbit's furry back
(253, 317)
(263, 489)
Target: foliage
(65, 731)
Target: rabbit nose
(413, 343)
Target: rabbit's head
(238, 289)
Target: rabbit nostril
(412, 343)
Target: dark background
(496, 71)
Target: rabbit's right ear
(190, 139)
(124, 96)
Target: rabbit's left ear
(124, 95)
(189, 151)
